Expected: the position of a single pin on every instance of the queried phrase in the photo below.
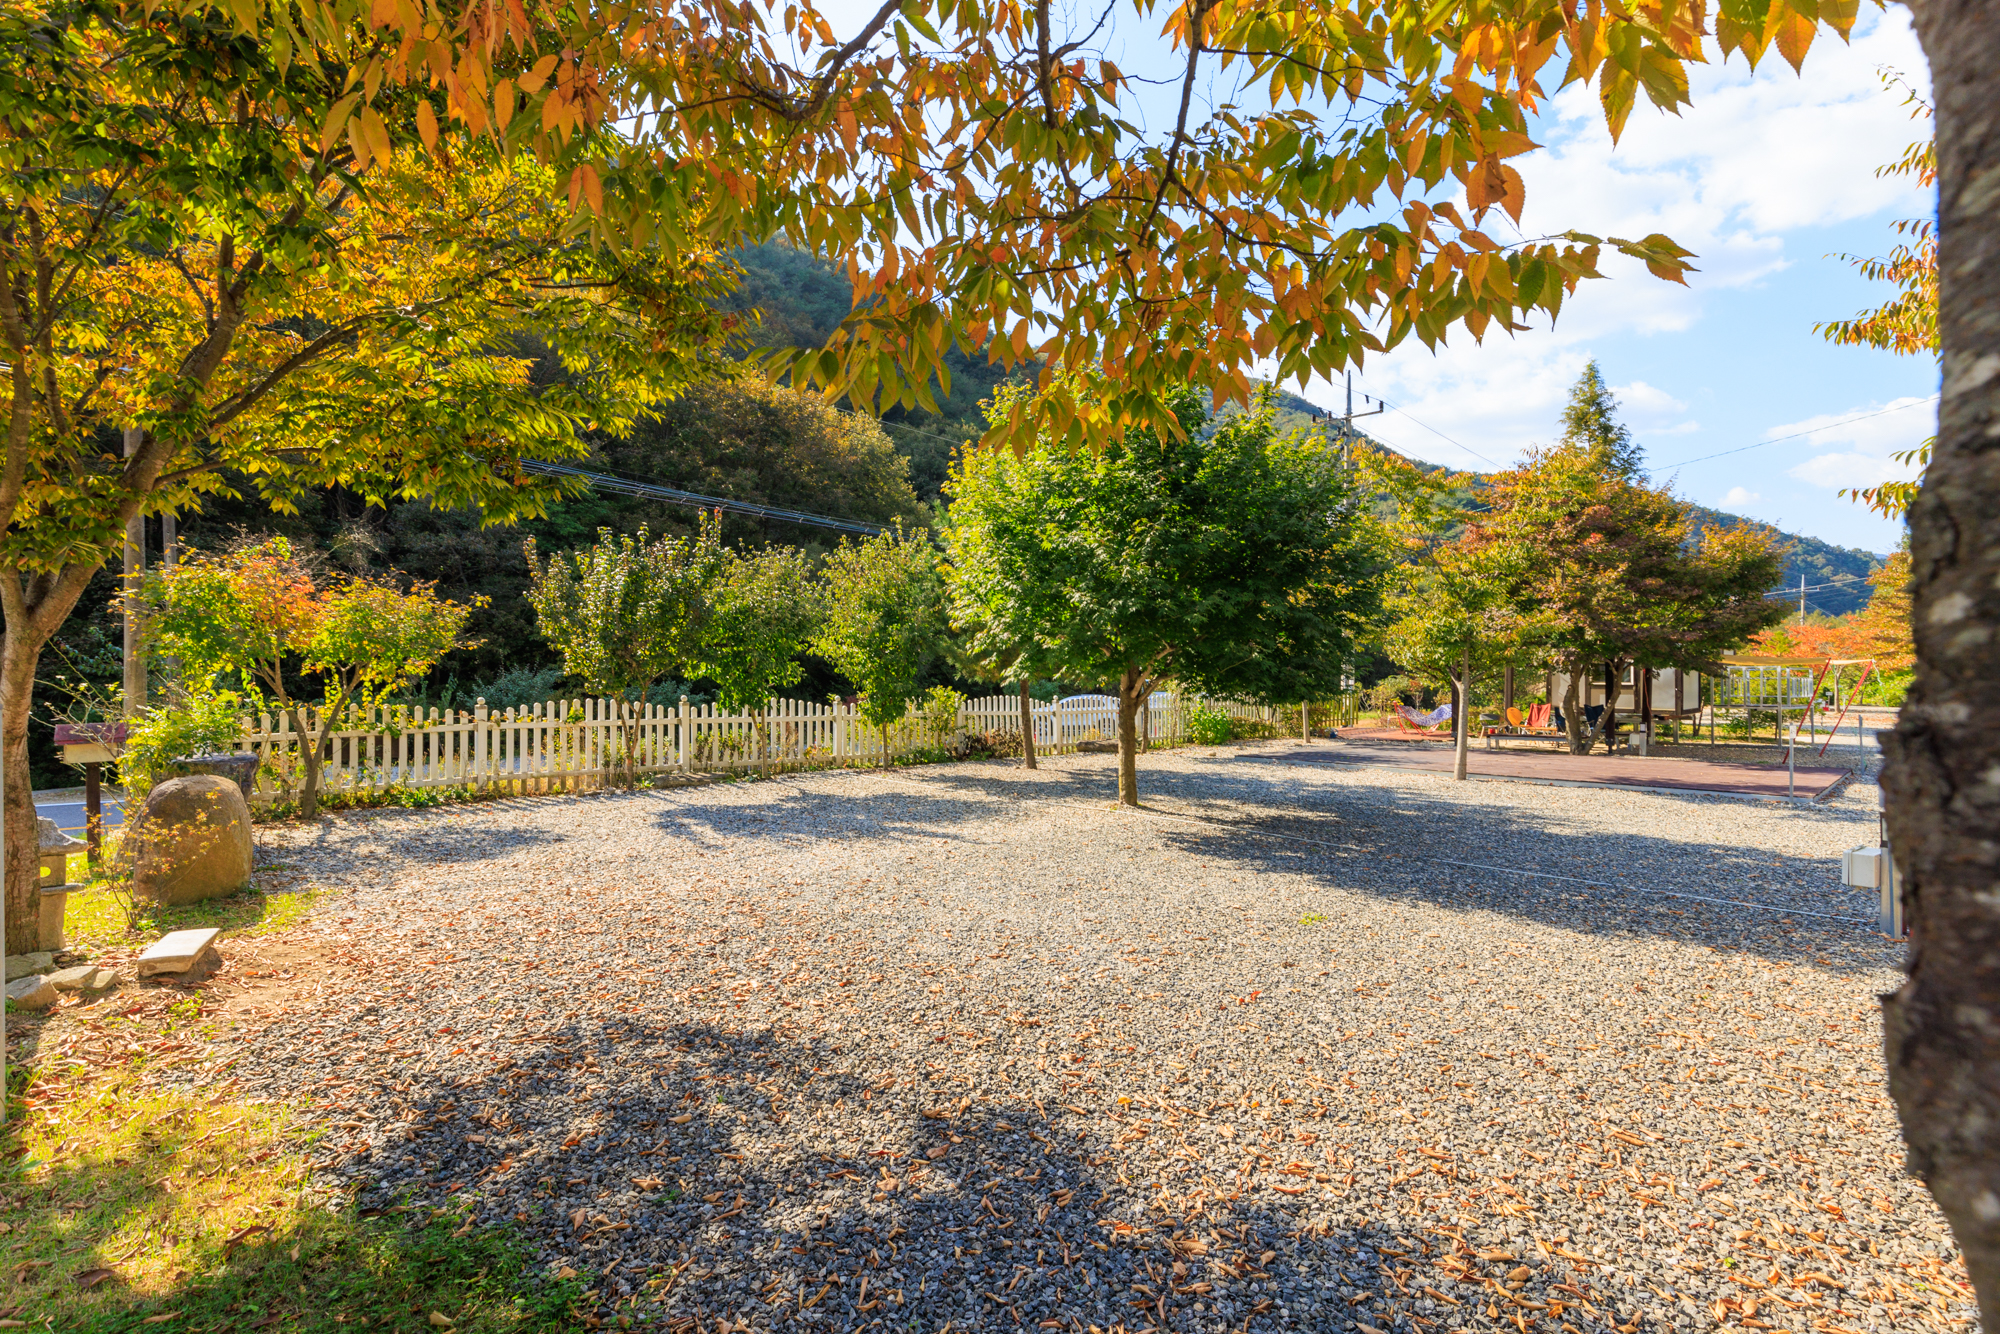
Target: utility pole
(1347, 418)
(135, 570)
(1802, 599)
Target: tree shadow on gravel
(1408, 846)
(707, 1178)
(780, 810)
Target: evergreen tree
(1590, 422)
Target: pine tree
(1590, 422)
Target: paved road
(68, 815)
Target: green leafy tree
(1451, 617)
(627, 611)
(762, 613)
(261, 612)
(1233, 562)
(1455, 623)
(742, 437)
(1590, 422)
(885, 621)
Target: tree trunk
(1941, 1028)
(311, 746)
(1574, 694)
(1027, 728)
(1131, 690)
(1608, 722)
(23, 844)
(1461, 716)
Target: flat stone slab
(86, 978)
(21, 965)
(178, 952)
(32, 993)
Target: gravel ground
(966, 1047)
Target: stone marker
(87, 978)
(20, 965)
(56, 846)
(239, 767)
(178, 952)
(32, 993)
(193, 837)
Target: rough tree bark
(18, 659)
(1132, 689)
(1941, 1029)
(1027, 727)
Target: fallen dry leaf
(90, 1278)
(238, 1238)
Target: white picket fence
(570, 745)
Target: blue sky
(1764, 176)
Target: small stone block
(20, 965)
(87, 978)
(32, 993)
(178, 952)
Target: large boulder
(193, 840)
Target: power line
(1796, 434)
(1436, 432)
(626, 486)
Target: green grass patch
(96, 916)
(129, 1210)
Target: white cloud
(1754, 157)
(1755, 154)
(1856, 446)
(1639, 398)
(1737, 498)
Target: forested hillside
(803, 299)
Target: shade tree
(1230, 560)
(1605, 572)
(201, 292)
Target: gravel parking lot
(966, 1047)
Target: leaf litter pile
(965, 1047)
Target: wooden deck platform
(1751, 781)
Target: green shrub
(1208, 725)
(185, 724)
(1888, 689)
(939, 710)
(1390, 691)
